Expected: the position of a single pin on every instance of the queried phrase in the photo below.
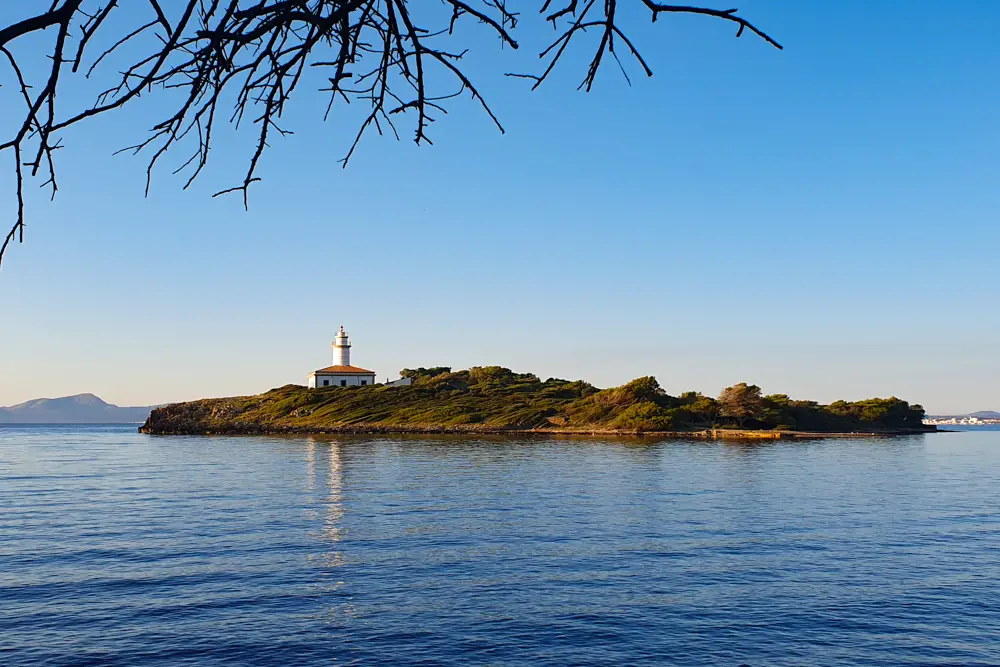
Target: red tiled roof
(343, 370)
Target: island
(494, 400)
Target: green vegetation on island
(495, 399)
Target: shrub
(643, 417)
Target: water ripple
(123, 549)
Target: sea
(122, 549)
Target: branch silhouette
(239, 61)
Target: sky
(821, 221)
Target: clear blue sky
(821, 221)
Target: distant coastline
(495, 400)
(982, 418)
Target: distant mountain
(79, 409)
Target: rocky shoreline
(418, 429)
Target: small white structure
(342, 373)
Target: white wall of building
(316, 381)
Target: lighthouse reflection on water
(333, 507)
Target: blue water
(123, 549)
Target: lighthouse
(341, 348)
(342, 373)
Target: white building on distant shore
(342, 373)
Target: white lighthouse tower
(341, 348)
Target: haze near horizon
(819, 221)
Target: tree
(424, 372)
(741, 402)
(702, 409)
(892, 412)
(241, 60)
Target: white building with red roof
(342, 373)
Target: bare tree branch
(251, 55)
